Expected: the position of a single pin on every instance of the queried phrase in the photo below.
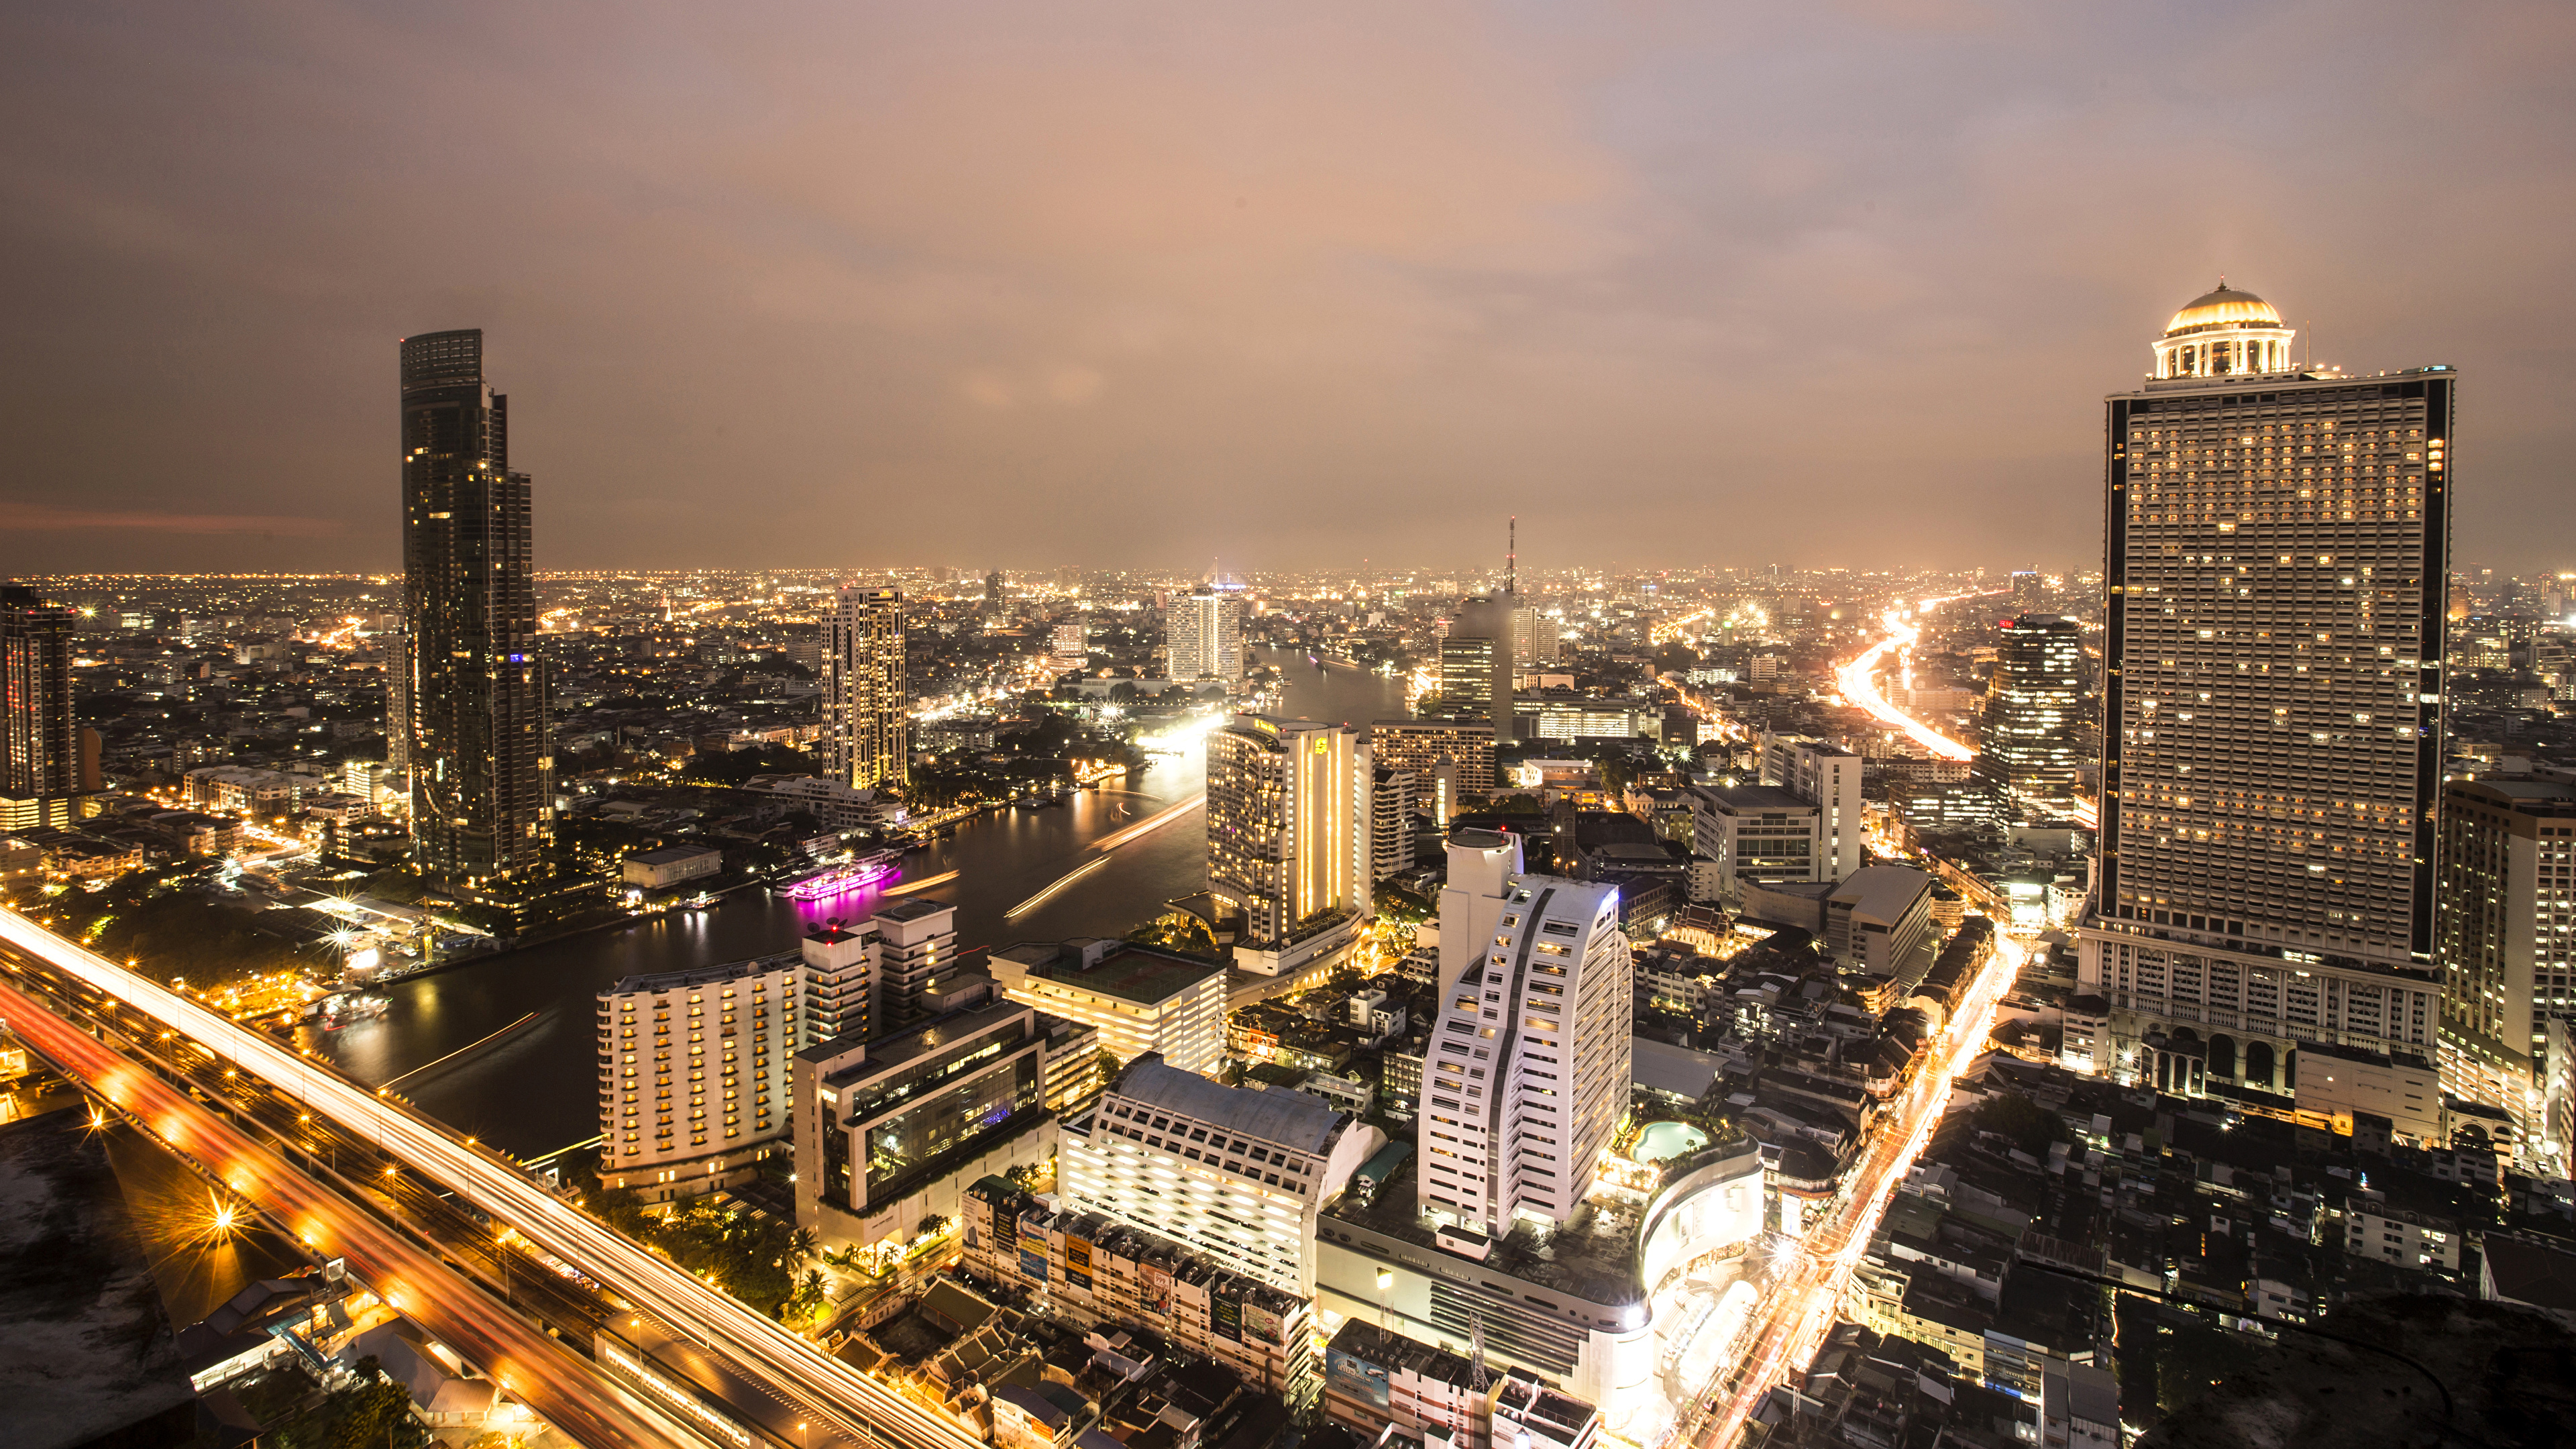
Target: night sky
(1020, 285)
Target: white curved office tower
(1527, 1072)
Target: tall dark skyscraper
(2272, 722)
(1476, 663)
(481, 758)
(39, 772)
(2026, 739)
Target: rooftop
(704, 975)
(1591, 1256)
(1287, 1118)
(1752, 799)
(1129, 972)
(671, 853)
(1883, 892)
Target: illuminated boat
(349, 1009)
(832, 880)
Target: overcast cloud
(1027, 284)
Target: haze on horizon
(1138, 285)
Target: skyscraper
(1288, 830)
(1203, 635)
(1476, 664)
(2508, 946)
(867, 715)
(481, 758)
(2272, 725)
(39, 767)
(1533, 641)
(2027, 735)
(1528, 1072)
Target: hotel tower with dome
(2278, 553)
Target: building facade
(2507, 943)
(1828, 777)
(2277, 561)
(1391, 807)
(916, 947)
(39, 765)
(693, 1074)
(1203, 635)
(2028, 735)
(881, 1122)
(1451, 764)
(481, 756)
(1139, 999)
(867, 708)
(1288, 832)
(1757, 833)
(1094, 1268)
(1476, 664)
(1528, 1069)
(1237, 1175)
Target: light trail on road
(1804, 1305)
(792, 1366)
(1860, 686)
(567, 1392)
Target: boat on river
(849, 875)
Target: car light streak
(1861, 687)
(790, 1365)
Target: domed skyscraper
(2263, 904)
(2224, 333)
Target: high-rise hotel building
(867, 715)
(1203, 635)
(2272, 720)
(474, 698)
(1288, 831)
(1527, 1071)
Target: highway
(559, 1386)
(799, 1372)
(1859, 681)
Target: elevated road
(563, 1388)
(796, 1369)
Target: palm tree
(803, 1246)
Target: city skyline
(869, 948)
(1644, 264)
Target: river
(536, 1090)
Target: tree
(365, 1411)
(809, 1299)
(1177, 931)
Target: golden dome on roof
(2226, 307)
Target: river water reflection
(536, 1090)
